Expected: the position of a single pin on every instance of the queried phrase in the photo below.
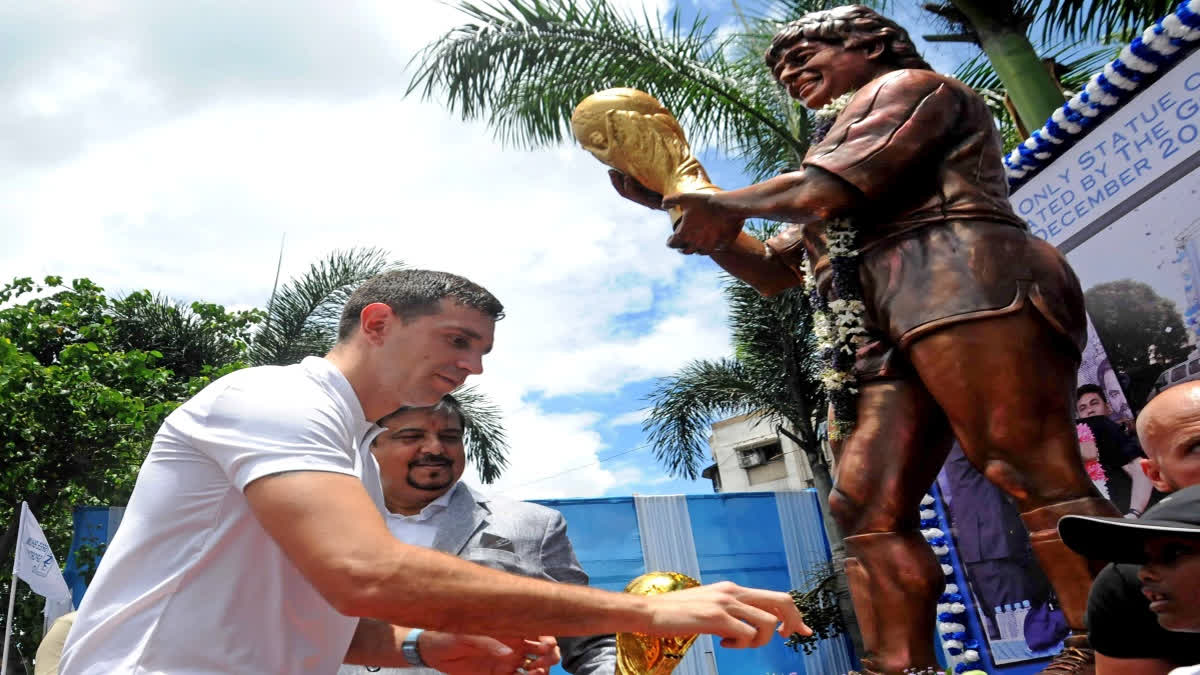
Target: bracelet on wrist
(411, 650)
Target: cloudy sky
(171, 146)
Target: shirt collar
(434, 507)
(324, 371)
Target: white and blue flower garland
(952, 611)
(1157, 48)
(838, 324)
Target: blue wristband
(409, 648)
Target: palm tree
(1001, 29)
(773, 372)
(192, 339)
(302, 316)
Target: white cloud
(631, 418)
(563, 462)
(185, 165)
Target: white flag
(35, 563)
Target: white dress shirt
(421, 529)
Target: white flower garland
(835, 107)
(838, 326)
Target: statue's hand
(706, 224)
(629, 188)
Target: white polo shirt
(192, 584)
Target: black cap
(1122, 539)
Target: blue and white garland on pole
(951, 618)
(1158, 47)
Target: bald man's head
(1169, 429)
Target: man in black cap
(1161, 629)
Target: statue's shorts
(925, 279)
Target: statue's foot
(1076, 658)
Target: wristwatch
(410, 650)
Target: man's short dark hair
(414, 293)
(1090, 389)
(447, 406)
(853, 27)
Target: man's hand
(479, 655)
(629, 188)
(742, 617)
(706, 226)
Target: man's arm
(1139, 493)
(329, 528)
(376, 643)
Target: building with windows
(750, 455)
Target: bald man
(1169, 429)
(1124, 632)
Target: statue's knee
(845, 511)
(1007, 477)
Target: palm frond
(684, 405)
(302, 317)
(774, 371)
(1094, 18)
(189, 337)
(484, 437)
(523, 65)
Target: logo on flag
(39, 557)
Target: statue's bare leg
(884, 469)
(1006, 384)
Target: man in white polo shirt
(254, 540)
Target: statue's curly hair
(853, 27)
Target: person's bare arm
(1107, 665)
(1139, 493)
(376, 643)
(329, 528)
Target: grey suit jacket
(522, 538)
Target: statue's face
(817, 72)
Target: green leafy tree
(1142, 332)
(79, 404)
(302, 316)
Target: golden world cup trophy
(633, 133)
(641, 654)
